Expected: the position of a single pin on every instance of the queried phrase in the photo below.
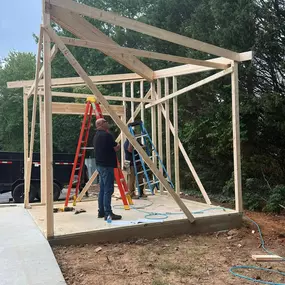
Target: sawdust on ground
(201, 259)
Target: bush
(276, 198)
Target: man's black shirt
(104, 144)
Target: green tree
(204, 114)
(16, 66)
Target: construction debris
(267, 258)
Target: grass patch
(159, 282)
(167, 267)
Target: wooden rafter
(142, 53)
(41, 72)
(191, 87)
(117, 120)
(83, 29)
(126, 23)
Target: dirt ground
(201, 259)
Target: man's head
(102, 124)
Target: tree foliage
(204, 114)
(17, 66)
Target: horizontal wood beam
(127, 23)
(246, 56)
(81, 28)
(119, 78)
(79, 109)
(97, 79)
(142, 53)
(191, 69)
(191, 87)
(84, 96)
(100, 83)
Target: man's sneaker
(114, 217)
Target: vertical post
(124, 120)
(236, 138)
(159, 131)
(33, 124)
(142, 104)
(153, 122)
(26, 146)
(176, 138)
(132, 96)
(42, 152)
(167, 127)
(48, 163)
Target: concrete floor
(69, 223)
(25, 255)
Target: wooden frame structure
(158, 99)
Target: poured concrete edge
(153, 230)
(26, 257)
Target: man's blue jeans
(106, 175)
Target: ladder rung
(140, 136)
(80, 154)
(153, 156)
(145, 183)
(143, 171)
(77, 168)
(90, 147)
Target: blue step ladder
(139, 132)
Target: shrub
(276, 198)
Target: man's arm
(130, 147)
(117, 147)
(113, 143)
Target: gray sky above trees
(18, 21)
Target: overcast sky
(19, 19)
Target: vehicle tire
(37, 188)
(56, 192)
(19, 193)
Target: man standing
(105, 149)
(128, 148)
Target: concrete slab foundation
(158, 216)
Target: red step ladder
(78, 164)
